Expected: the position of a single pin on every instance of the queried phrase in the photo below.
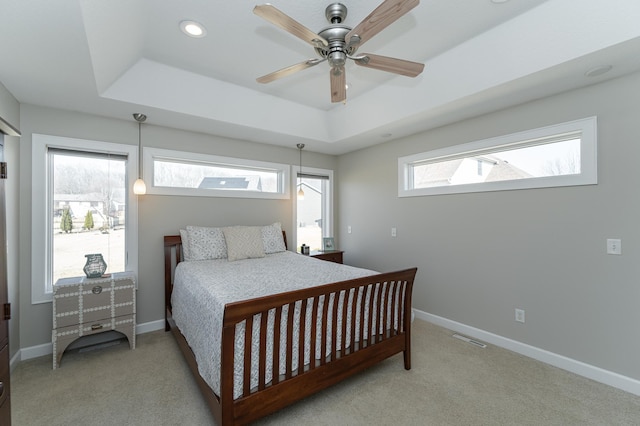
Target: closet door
(5, 311)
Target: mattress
(203, 288)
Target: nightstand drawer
(98, 326)
(92, 301)
(330, 256)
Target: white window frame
(149, 155)
(40, 212)
(587, 129)
(327, 205)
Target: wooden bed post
(407, 328)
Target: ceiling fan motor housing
(337, 51)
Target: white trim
(580, 368)
(588, 158)
(148, 327)
(39, 210)
(150, 154)
(293, 243)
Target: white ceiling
(117, 57)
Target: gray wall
(10, 112)
(543, 250)
(158, 215)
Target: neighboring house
(250, 183)
(486, 168)
(80, 204)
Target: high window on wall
(313, 211)
(186, 173)
(84, 206)
(559, 155)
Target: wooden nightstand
(331, 256)
(85, 306)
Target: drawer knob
(96, 290)
(96, 326)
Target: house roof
(249, 182)
(117, 57)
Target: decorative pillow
(243, 242)
(206, 243)
(272, 238)
(186, 251)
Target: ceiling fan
(337, 42)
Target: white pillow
(243, 242)
(206, 243)
(272, 238)
(186, 252)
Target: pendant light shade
(300, 191)
(139, 187)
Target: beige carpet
(451, 383)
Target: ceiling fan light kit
(338, 42)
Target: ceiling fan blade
(338, 84)
(280, 19)
(289, 70)
(382, 16)
(394, 65)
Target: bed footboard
(353, 325)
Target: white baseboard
(148, 327)
(47, 348)
(580, 368)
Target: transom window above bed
(559, 155)
(187, 173)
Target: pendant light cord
(140, 118)
(139, 149)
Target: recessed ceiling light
(193, 29)
(499, 1)
(599, 70)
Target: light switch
(349, 229)
(614, 246)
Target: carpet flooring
(451, 383)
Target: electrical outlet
(520, 315)
(394, 232)
(614, 246)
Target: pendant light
(139, 188)
(300, 191)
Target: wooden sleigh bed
(381, 303)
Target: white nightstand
(85, 306)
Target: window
(559, 155)
(81, 205)
(184, 173)
(313, 213)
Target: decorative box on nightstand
(85, 306)
(331, 256)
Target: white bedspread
(202, 289)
